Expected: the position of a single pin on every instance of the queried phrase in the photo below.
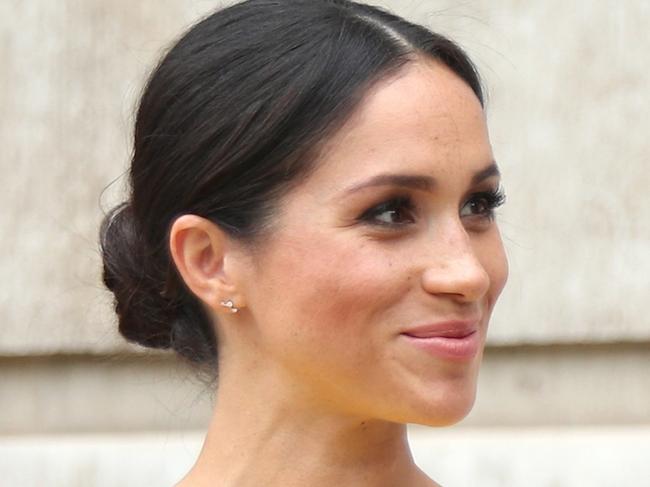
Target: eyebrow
(417, 181)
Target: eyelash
(491, 199)
(394, 204)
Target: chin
(441, 419)
(446, 409)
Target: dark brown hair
(230, 119)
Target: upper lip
(447, 329)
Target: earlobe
(201, 252)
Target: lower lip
(451, 348)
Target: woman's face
(394, 230)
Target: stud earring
(230, 305)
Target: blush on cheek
(498, 272)
(338, 289)
(491, 254)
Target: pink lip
(451, 339)
(447, 329)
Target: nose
(454, 268)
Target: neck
(275, 439)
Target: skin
(316, 383)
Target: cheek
(334, 290)
(495, 263)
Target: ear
(205, 258)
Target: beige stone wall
(570, 341)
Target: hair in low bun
(233, 116)
(149, 313)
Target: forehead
(424, 119)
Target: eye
(393, 212)
(483, 204)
